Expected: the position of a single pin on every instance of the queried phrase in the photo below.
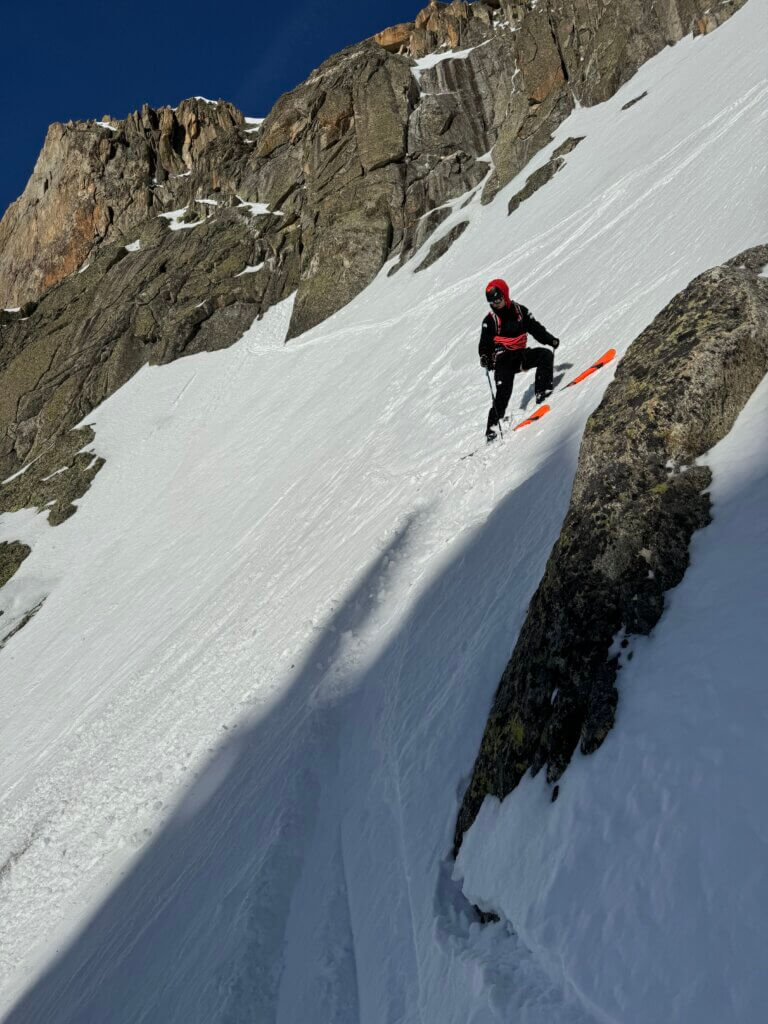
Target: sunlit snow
(237, 730)
(259, 208)
(433, 59)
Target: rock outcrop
(96, 181)
(355, 156)
(638, 496)
(11, 556)
(544, 174)
(365, 148)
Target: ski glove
(486, 362)
(555, 343)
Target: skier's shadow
(528, 394)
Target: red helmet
(493, 288)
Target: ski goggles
(494, 295)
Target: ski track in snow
(238, 729)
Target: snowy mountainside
(238, 729)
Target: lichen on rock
(12, 554)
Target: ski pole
(493, 400)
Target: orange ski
(536, 416)
(606, 357)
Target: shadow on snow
(333, 810)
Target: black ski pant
(508, 362)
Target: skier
(503, 349)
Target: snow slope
(236, 733)
(658, 841)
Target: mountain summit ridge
(363, 148)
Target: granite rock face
(367, 147)
(638, 496)
(358, 154)
(96, 181)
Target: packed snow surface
(237, 730)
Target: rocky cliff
(96, 180)
(638, 496)
(193, 221)
(361, 151)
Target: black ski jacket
(512, 325)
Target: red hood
(501, 285)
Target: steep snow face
(658, 841)
(237, 730)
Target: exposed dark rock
(442, 245)
(570, 52)
(11, 556)
(638, 496)
(528, 130)
(602, 45)
(179, 293)
(60, 474)
(543, 174)
(10, 316)
(419, 233)
(4, 638)
(637, 99)
(363, 151)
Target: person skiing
(503, 349)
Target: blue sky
(77, 61)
